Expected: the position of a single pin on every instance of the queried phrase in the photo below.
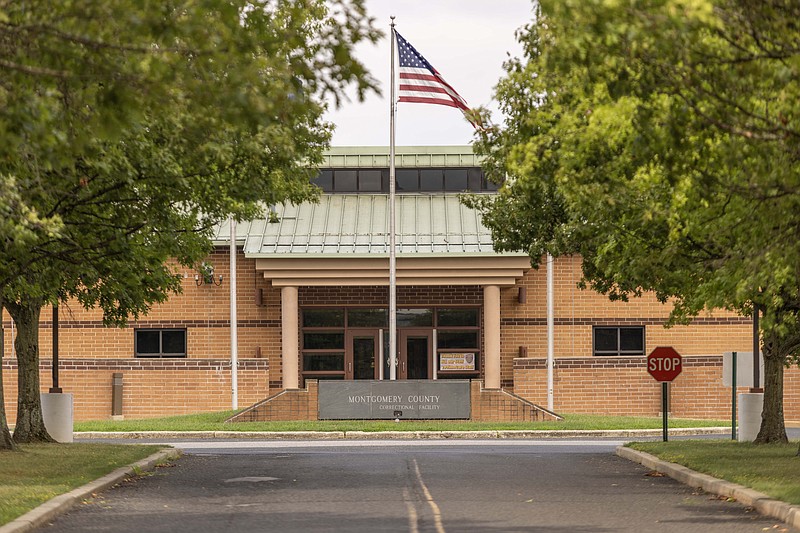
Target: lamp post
(55, 389)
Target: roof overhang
(502, 270)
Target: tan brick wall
(576, 311)
(489, 405)
(296, 404)
(622, 386)
(151, 387)
(583, 383)
(204, 311)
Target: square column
(290, 334)
(491, 336)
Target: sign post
(733, 399)
(664, 364)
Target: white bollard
(750, 406)
(57, 414)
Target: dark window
(323, 362)
(323, 318)
(323, 341)
(631, 340)
(455, 179)
(160, 343)
(406, 180)
(489, 185)
(414, 317)
(345, 180)
(173, 342)
(456, 317)
(475, 179)
(369, 180)
(148, 342)
(324, 180)
(619, 340)
(431, 179)
(449, 340)
(367, 318)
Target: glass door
(361, 355)
(415, 354)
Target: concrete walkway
(765, 505)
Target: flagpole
(392, 255)
(234, 322)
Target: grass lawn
(215, 422)
(771, 469)
(42, 471)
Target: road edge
(387, 435)
(790, 514)
(54, 507)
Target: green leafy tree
(131, 130)
(658, 139)
(19, 220)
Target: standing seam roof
(357, 224)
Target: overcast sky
(467, 41)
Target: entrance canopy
(343, 240)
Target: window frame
(160, 354)
(619, 352)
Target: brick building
(312, 304)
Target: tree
(6, 442)
(133, 130)
(19, 221)
(659, 140)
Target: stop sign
(664, 363)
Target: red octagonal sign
(664, 363)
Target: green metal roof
(357, 225)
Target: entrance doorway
(416, 348)
(362, 355)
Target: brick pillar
(290, 334)
(491, 336)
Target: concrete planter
(58, 415)
(750, 406)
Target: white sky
(467, 41)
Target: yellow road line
(412, 512)
(437, 514)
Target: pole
(392, 254)
(234, 325)
(733, 397)
(550, 331)
(55, 389)
(664, 407)
(756, 351)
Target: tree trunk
(30, 423)
(6, 442)
(772, 428)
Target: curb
(52, 508)
(390, 435)
(790, 514)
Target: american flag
(421, 83)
